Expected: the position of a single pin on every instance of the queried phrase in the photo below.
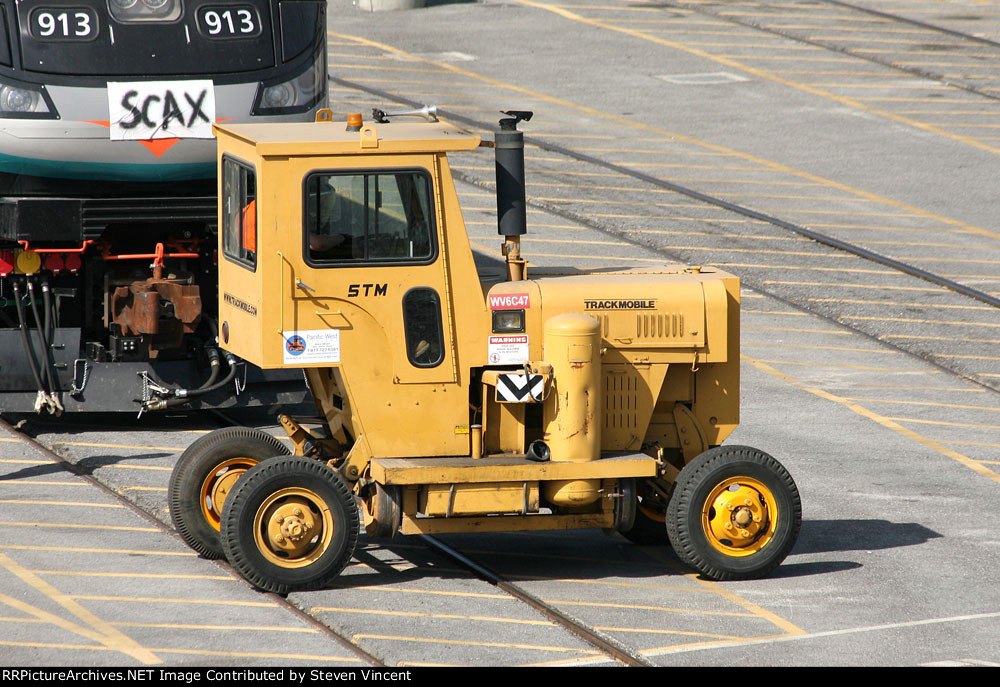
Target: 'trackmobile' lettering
(620, 305)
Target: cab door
(372, 283)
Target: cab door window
(368, 217)
(239, 212)
(422, 324)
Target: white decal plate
(508, 349)
(311, 346)
(145, 110)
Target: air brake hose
(28, 349)
(43, 365)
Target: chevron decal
(520, 388)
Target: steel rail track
(824, 239)
(847, 50)
(71, 467)
(597, 639)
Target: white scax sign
(145, 110)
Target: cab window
(239, 212)
(371, 217)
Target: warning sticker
(311, 346)
(508, 350)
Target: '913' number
(64, 25)
(228, 22)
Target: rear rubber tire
(229, 451)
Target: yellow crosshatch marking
(102, 631)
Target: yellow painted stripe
(121, 489)
(643, 607)
(793, 329)
(56, 645)
(165, 600)
(943, 423)
(691, 645)
(152, 576)
(261, 654)
(810, 363)
(468, 642)
(127, 552)
(109, 636)
(63, 503)
(251, 628)
(657, 631)
(900, 304)
(757, 610)
(416, 614)
(971, 443)
(880, 287)
(881, 420)
(432, 592)
(808, 347)
(101, 527)
(39, 482)
(931, 404)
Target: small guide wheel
(205, 474)
(290, 524)
(734, 513)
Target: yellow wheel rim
(217, 486)
(739, 516)
(293, 527)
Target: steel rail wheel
(648, 527)
(205, 474)
(290, 524)
(734, 513)
(383, 510)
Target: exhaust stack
(512, 220)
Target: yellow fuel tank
(571, 415)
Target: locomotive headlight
(298, 94)
(123, 4)
(20, 102)
(17, 100)
(281, 96)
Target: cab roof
(332, 138)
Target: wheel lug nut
(729, 525)
(298, 512)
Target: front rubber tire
(734, 513)
(290, 524)
(210, 465)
